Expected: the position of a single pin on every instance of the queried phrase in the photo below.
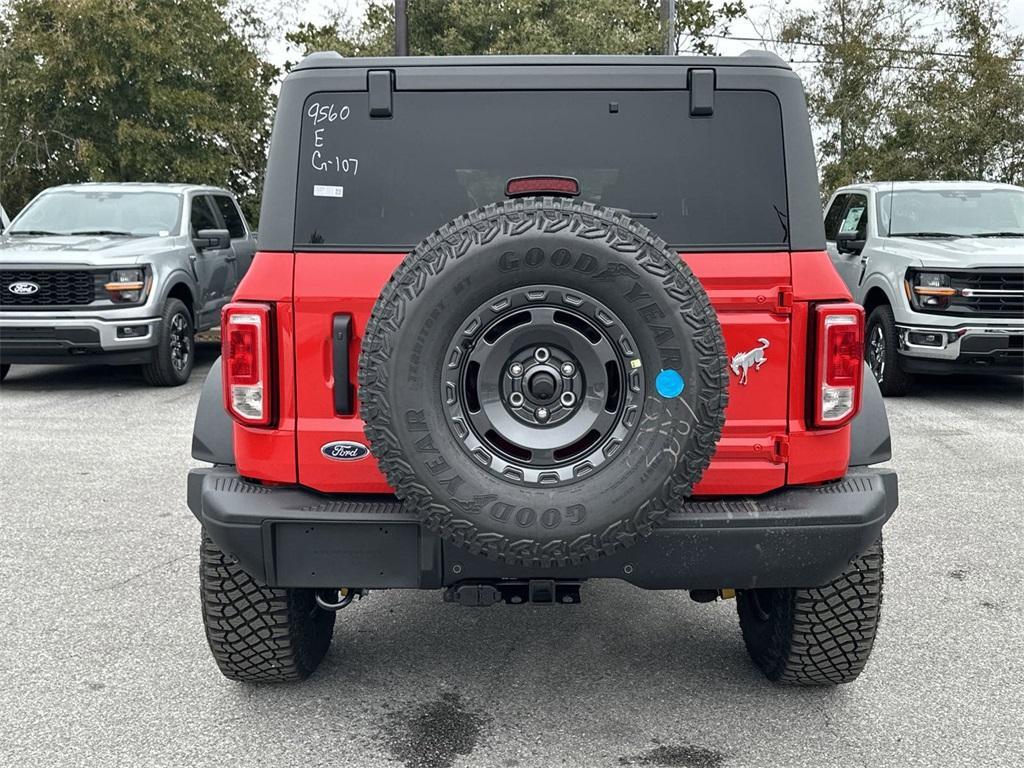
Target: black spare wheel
(542, 381)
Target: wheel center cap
(542, 385)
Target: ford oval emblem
(345, 450)
(24, 288)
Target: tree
(859, 49)
(963, 116)
(131, 90)
(463, 27)
(890, 101)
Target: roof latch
(702, 92)
(380, 84)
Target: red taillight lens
(840, 362)
(245, 340)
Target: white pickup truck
(939, 269)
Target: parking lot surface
(105, 662)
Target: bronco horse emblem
(755, 357)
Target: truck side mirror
(212, 239)
(849, 242)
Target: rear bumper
(78, 339)
(294, 537)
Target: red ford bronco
(517, 323)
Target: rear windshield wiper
(997, 234)
(33, 232)
(923, 234)
(119, 232)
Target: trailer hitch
(534, 591)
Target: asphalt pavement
(104, 662)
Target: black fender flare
(213, 433)
(870, 440)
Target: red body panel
(745, 290)
(766, 442)
(320, 278)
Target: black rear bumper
(294, 537)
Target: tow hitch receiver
(537, 591)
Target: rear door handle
(341, 336)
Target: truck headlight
(929, 290)
(127, 286)
(932, 280)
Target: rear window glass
(715, 182)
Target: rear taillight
(245, 341)
(838, 368)
(522, 186)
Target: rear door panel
(750, 292)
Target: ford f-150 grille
(46, 288)
(987, 293)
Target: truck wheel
(543, 381)
(817, 636)
(881, 353)
(174, 354)
(3, 370)
(258, 633)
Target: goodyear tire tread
(821, 635)
(258, 633)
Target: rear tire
(258, 633)
(881, 353)
(817, 636)
(174, 354)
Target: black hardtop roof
(329, 72)
(332, 59)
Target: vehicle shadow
(968, 387)
(97, 377)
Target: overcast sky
(758, 11)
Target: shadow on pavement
(967, 387)
(90, 377)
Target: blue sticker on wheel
(669, 383)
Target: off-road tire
(259, 634)
(895, 382)
(3, 370)
(816, 636)
(427, 298)
(161, 371)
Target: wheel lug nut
(568, 369)
(516, 398)
(568, 399)
(542, 414)
(516, 369)
(542, 354)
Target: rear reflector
(245, 340)
(542, 185)
(839, 365)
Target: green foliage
(465, 27)
(891, 101)
(964, 116)
(131, 90)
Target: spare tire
(542, 381)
